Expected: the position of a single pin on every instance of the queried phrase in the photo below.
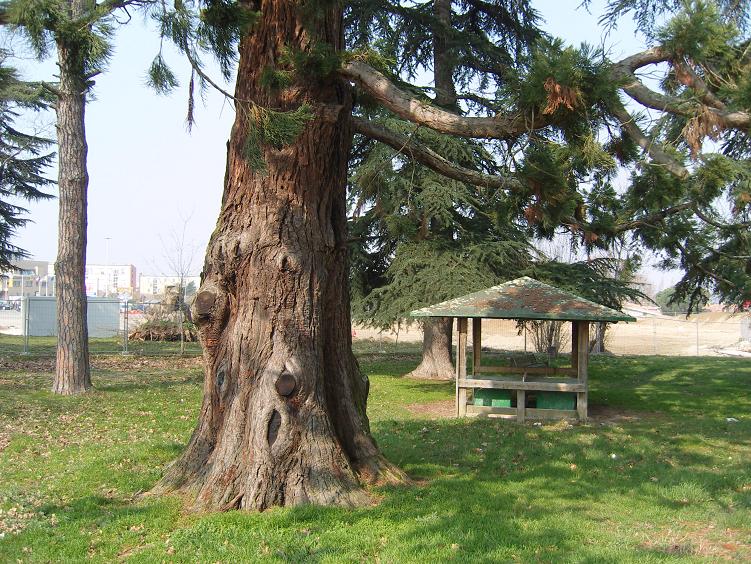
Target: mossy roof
(523, 298)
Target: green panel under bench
(492, 398)
(555, 400)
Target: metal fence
(29, 327)
(705, 334)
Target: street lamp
(108, 286)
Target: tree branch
(623, 71)
(688, 77)
(431, 159)
(501, 126)
(708, 220)
(651, 219)
(653, 149)
(701, 268)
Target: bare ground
(597, 413)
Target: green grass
(663, 476)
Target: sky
(150, 178)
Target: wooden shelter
(559, 392)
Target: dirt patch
(117, 362)
(701, 540)
(434, 410)
(608, 414)
(597, 413)
(28, 364)
(138, 362)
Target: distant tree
(179, 256)
(24, 158)
(190, 289)
(671, 303)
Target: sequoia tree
(283, 420)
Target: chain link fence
(704, 334)
(29, 327)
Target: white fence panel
(103, 316)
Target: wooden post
(574, 344)
(476, 344)
(521, 405)
(461, 368)
(582, 353)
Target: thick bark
(436, 350)
(283, 418)
(72, 373)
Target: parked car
(5, 305)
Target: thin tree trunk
(283, 419)
(72, 373)
(436, 350)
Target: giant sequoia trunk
(283, 418)
(436, 350)
(72, 373)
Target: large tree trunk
(283, 418)
(72, 374)
(436, 350)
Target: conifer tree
(453, 238)
(283, 420)
(24, 157)
(78, 32)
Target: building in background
(111, 280)
(31, 278)
(155, 286)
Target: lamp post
(107, 265)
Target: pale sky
(147, 173)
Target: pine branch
(688, 77)
(653, 149)
(501, 126)
(431, 159)
(653, 218)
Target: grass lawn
(659, 474)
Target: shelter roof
(523, 298)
